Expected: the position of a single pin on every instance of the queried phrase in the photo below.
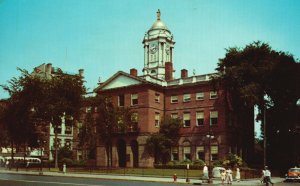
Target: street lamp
(187, 173)
(41, 144)
(210, 137)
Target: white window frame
(199, 115)
(174, 115)
(157, 119)
(213, 95)
(213, 114)
(174, 99)
(186, 97)
(214, 151)
(200, 149)
(200, 96)
(186, 117)
(120, 101)
(134, 97)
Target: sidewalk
(138, 178)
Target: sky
(105, 36)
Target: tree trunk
(55, 146)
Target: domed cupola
(158, 48)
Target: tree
(106, 124)
(37, 101)
(87, 136)
(158, 145)
(259, 76)
(17, 117)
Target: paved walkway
(137, 178)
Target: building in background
(66, 134)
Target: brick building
(156, 93)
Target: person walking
(238, 175)
(205, 172)
(228, 176)
(267, 176)
(223, 176)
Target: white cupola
(158, 48)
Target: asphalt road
(29, 180)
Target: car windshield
(295, 170)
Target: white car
(216, 172)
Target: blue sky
(105, 36)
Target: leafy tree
(158, 145)
(259, 76)
(38, 101)
(88, 135)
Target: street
(26, 180)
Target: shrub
(67, 161)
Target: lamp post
(41, 144)
(187, 173)
(209, 136)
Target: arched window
(186, 150)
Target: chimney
(168, 71)
(184, 73)
(48, 68)
(133, 72)
(81, 72)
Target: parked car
(217, 171)
(293, 174)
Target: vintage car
(293, 174)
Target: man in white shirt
(267, 176)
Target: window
(88, 109)
(134, 99)
(174, 99)
(186, 119)
(214, 152)
(134, 117)
(213, 117)
(187, 153)
(57, 129)
(68, 129)
(200, 118)
(186, 97)
(200, 96)
(174, 154)
(121, 100)
(68, 144)
(200, 153)
(174, 115)
(157, 97)
(157, 119)
(213, 94)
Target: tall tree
(158, 145)
(259, 76)
(39, 101)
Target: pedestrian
(175, 177)
(64, 168)
(267, 176)
(27, 165)
(7, 164)
(205, 172)
(223, 175)
(238, 175)
(228, 176)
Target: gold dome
(158, 24)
